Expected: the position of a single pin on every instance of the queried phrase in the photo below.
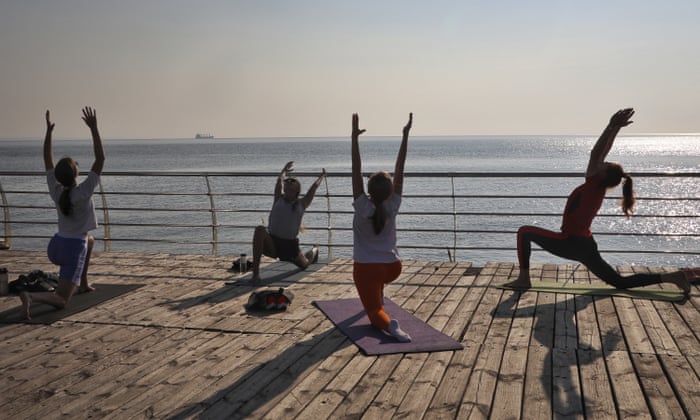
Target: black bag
(34, 281)
(269, 300)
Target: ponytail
(378, 218)
(64, 202)
(628, 199)
(66, 171)
(380, 188)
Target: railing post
(328, 218)
(107, 243)
(7, 242)
(454, 220)
(212, 208)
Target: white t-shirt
(83, 218)
(285, 218)
(369, 247)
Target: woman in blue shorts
(71, 246)
(279, 239)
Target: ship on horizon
(203, 136)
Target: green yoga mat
(603, 290)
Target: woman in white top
(71, 246)
(376, 259)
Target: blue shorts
(69, 253)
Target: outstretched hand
(408, 125)
(90, 117)
(356, 131)
(288, 167)
(622, 118)
(49, 124)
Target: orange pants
(370, 279)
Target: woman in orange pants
(376, 259)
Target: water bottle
(4, 285)
(243, 263)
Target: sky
(300, 68)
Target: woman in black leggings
(575, 241)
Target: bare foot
(677, 278)
(312, 255)
(26, 304)
(85, 289)
(521, 283)
(692, 274)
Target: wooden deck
(182, 346)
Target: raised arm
(401, 157)
(309, 196)
(90, 118)
(602, 147)
(358, 187)
(288, 167)
(48, 150)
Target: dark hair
(380, 188)
(292, 180)
(66, 171)
(613, 176)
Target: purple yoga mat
(349, 316)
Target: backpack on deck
(34, 281)
(270, 299)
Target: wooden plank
(322, 391)
(663, 402)
(306, 379)
(625, 385)
(493, 321)
(509, 393)
(685, 383)
(537, 389)
(632, 328)
(356, 401)
(596, 391)
(419, 395)
(57, 369)
(396, 386)
(79, 396)
(192, 350)
(566, 389)
(279, 371)
(231, 374)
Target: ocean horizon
(426, 154)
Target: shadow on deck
(182, 346)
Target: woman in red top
(575, 241)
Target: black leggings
(577, 248)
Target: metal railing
(452, 215)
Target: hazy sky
(171, 68)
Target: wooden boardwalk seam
(182, 346)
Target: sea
(674, 153)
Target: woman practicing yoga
(575, 241)
(71, 247)
(376, 259)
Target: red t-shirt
(582, 206)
